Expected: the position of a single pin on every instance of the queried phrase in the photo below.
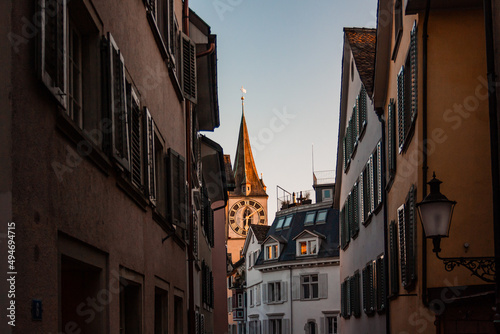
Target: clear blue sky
(287, 54)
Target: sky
(287, 55)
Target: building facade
(292, 273)
(359, 190)
(103, 164)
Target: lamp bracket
(481, 267)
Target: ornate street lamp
(435, 213)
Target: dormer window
(310, 218)
(279, 225)
(321, 216)
(307, 247)
(288, 221)
(272, 251)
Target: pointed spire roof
(245, 171)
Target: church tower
(248, 201)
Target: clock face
(246, 212)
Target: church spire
(245, 172)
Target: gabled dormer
(273, 245)
(308, 243)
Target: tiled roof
(260, 231)
(362, 42)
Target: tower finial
(243, 91)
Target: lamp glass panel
(436, 218)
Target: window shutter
(367, 189)
(150, 156)
(381, 282)
(257, 295)
(348, 297)
(344, 147)
(202, 324)
(411, 239)
(322, 325)
(402, 243)
(343, 312)
(413, 62)
(362, 108)
(136, 139)
(355, 120)
(284, 291)
(265, 327)
(401, 108)
(265, 297)
(356, 207)
(342, 229)
(361, 197)
(393, 252)
(373, 170)
(295, 287)
(196, 322)
(391, 142)
(323, 285)
(356, 295)
(365, 289)
(379, 173)
(171, 27)
(286, 326)
(371, 286)
(188, 75)
(52, 45)
(177, 189)
(230, 304)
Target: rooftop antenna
(312, 157)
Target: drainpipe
(380, 114)
(495, 173)
(191, 312)
(425, 38)
(291, 302)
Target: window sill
(132, 192)
(78, 138)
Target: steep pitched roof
(229, 172)
(260, 231)
(244, 165)
(362, 42)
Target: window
(130, 307)
(369, 289)
(279, 224)
(136, 123)
(207, 286)
(407, 93)
(178, 315)
(393, 258)
(310, 218)
(254, 327)
(307, 247)
(311, 327)
(177, 189)
(327, 194)
(161, 311)
(309, 286)
(240, 300)
(407, 241)
(371, 185)
(74, 71)
(331, 324)
(398, 21)
(250, 291)
(288, 221)
(275, 292)
(321, 217)
(275, 326)
(355, 295)
(350, 304)
(272, 252)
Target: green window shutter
(342, 228)
(349, 297)
(356, 295)
(52, 57)
(172, 40)
(411, 239)
(401, 108)
(343, 312)
(177, 189)
(361, 197)
(379, 173)
(365, 289)
(375, 180)
(136, 139)
(373, 170)
(391, 126)
(355, 121)
(188, 74)
(366, 191)
(413, 65)
(371, 286)
(402, 245)
(362, 108)
(393, 253)
(150, 156)
(351, 214)
(356, 207)
(344, 147)
(381, 282)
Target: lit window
(280, 223)
(321, 217)
(310, 218)
(288, 221)
(307, 247)
(272, 252)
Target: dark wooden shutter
(355, 293)
(401, 108)
(177, 189)
(344, 147)
(348, 296)
(355, 121)
(391, 136)
(116, 103)
(381, 283)
(355, 202)
(172, 40)
(362, 108)
(413, 64)
(361, 190)
(150, 156)
(365, 281)
(373, 175)
(410, 221)
(375, 185)
(136, 139)
(52, 57)
(343, 303)
(379, 173)
(188, 75)
(402, 244)
(393, 253)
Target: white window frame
(240, 300)
(276, 292)
(273, 256)
(310, 283)
(309, 242)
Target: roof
(260, 231)
(328, 232)
(245, 171)
(362, 42)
